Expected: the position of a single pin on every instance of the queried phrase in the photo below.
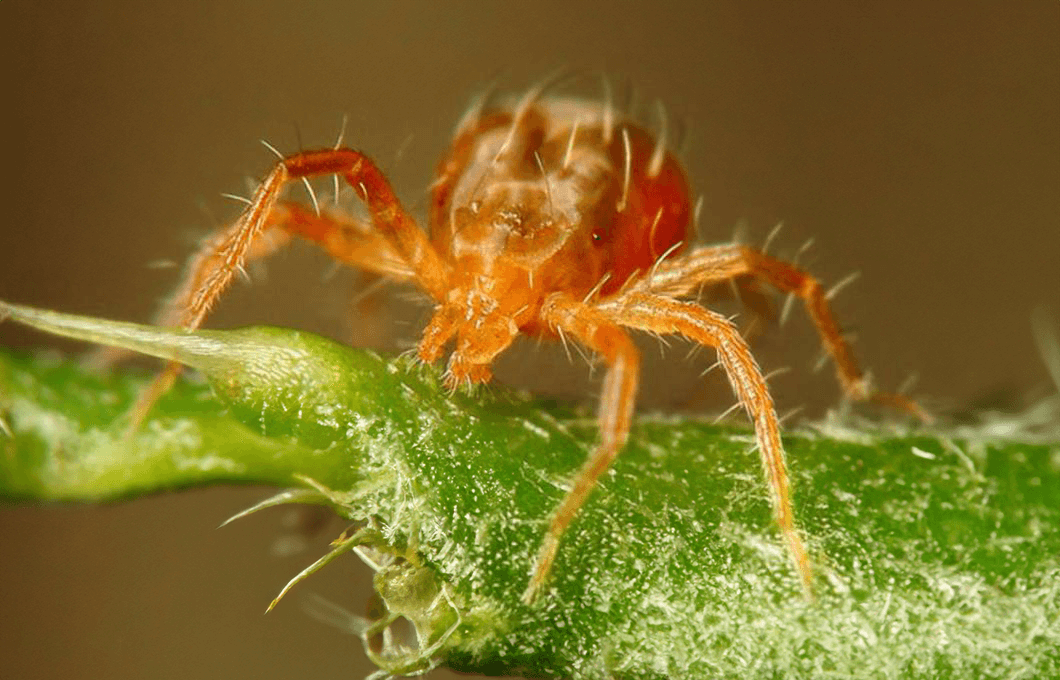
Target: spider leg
(258, 232)
(658, 314)
(220, 258)
(346, 239)
(593, 329)
(716, 264)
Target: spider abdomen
(560, 192)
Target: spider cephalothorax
(550, 216)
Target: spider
(552, 216)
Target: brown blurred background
(918, 143)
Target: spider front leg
(718, 264)
(345, 239)
(212, 269)
(662, 315)
(593, 329)
(215, 266)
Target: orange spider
(549, 216)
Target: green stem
(937, 553)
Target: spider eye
(597, 236)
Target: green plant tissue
(936, 551)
